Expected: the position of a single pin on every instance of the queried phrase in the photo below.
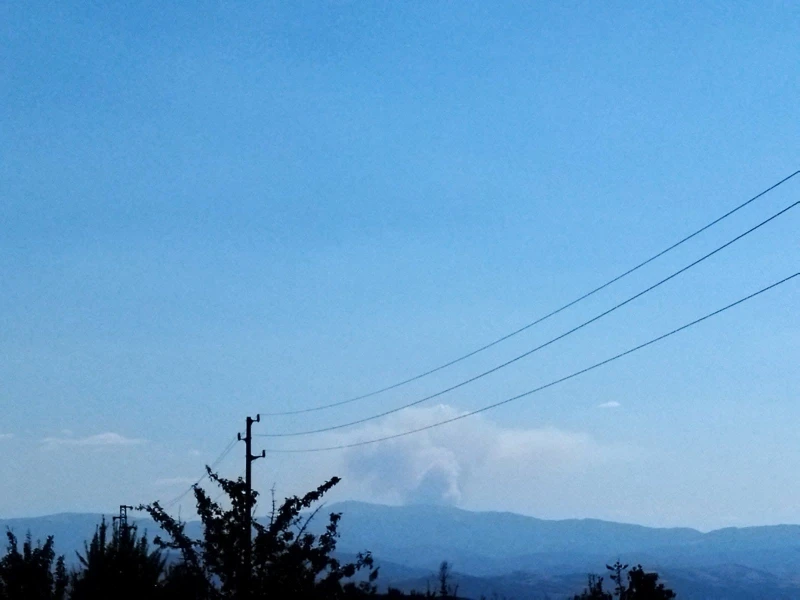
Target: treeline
(279, 559)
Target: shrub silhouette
(640, 585)
(287, 560)
(594, 590)
(32, 574)
(119, 566)
(446, 590)
(645, 586)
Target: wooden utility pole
(247, 539)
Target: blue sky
(216, 209)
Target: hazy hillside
(493, 543)
(496, 543)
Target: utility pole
(247, 567)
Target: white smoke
(455, 463)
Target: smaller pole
(123, 516)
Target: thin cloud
(6, 436)
(100, 439)
(610, 404)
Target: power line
(541, 346)
(218, 496)
(540, 319)
(545, 386)
(212, 466)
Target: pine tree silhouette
(121, 565)
(32, 574)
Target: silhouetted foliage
(645, 586)
(617, 569)
(446, 590)
(119, 566)
(442, 589)
(287, 560)
(594, 590)
(32, 574)
(639, 585)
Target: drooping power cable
(542, 387)
(541, 346)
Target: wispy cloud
(100, 439)
(6, 436)
(610, 404)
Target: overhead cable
(541, 346)
(542, 387)
(212, 466)
(540, 319)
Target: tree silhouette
(445, 575)
(616, 576)
(645, 586)
(32, 574)
(594, 590)
(287, 560)
(639, 586)
(119, 566)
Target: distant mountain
(71, 530)
(524, 557)
(492, 543)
